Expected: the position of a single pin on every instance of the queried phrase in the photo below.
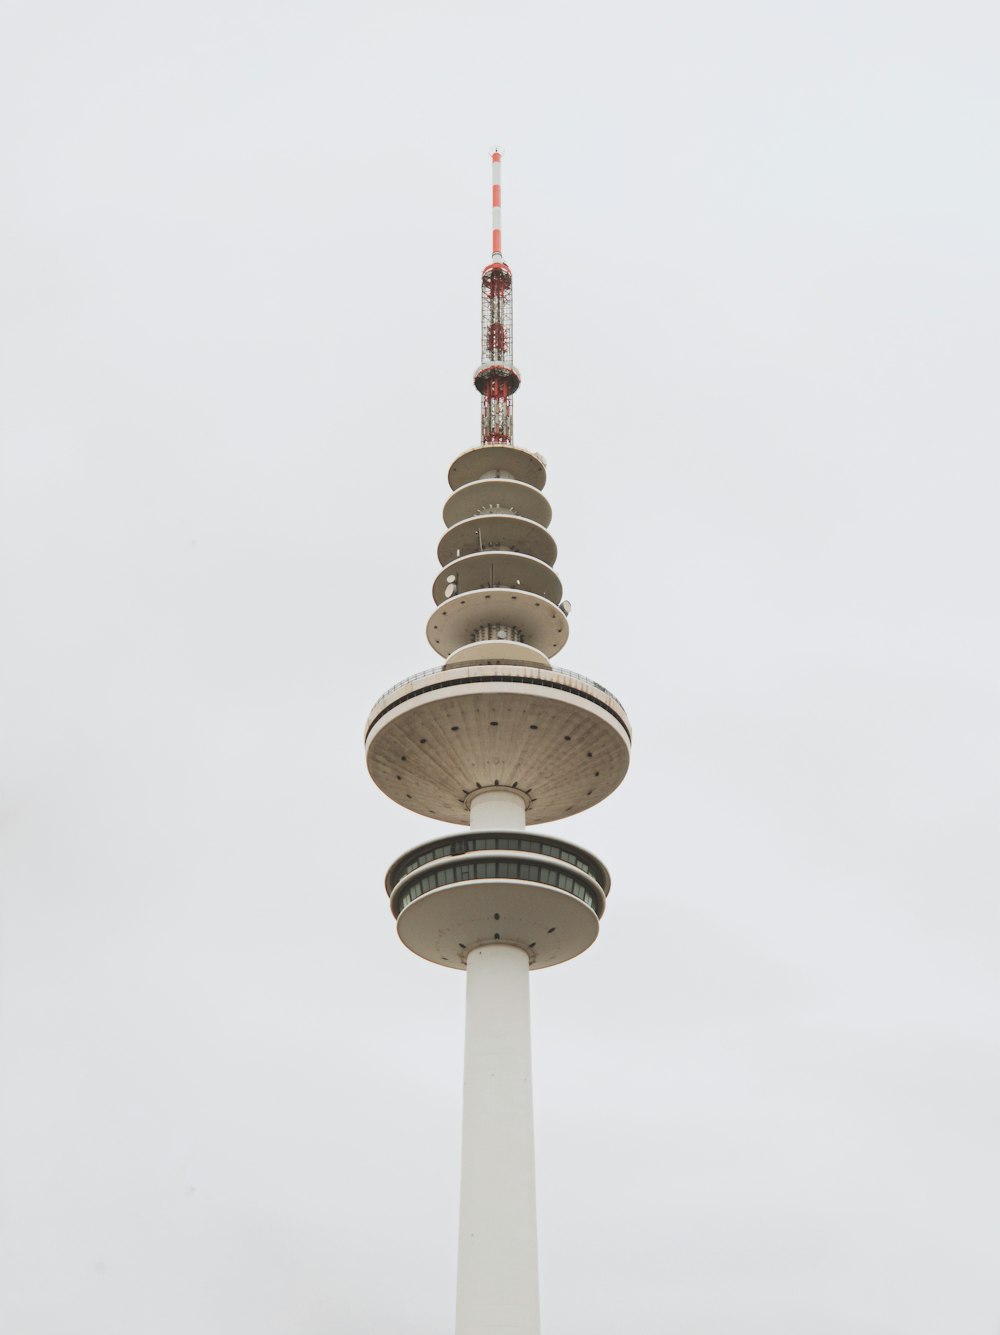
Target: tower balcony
(437, 740)
(541, 894)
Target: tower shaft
(498, 1242)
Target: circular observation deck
(452, 895)
(438, 739)
(491, 533)
(497, 461)
(497, 496)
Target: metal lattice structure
(497, 378)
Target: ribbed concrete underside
(432, 750)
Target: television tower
(497, 740)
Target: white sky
(756, 308)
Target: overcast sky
(755, 253)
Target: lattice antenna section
(497, 378)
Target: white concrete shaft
(498, 1239)
(497, 809)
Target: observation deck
(436, 740)
(453, 895)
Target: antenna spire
(497, 254)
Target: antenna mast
(497, 378)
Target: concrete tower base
(498, 1244)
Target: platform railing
(434, 672)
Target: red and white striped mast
(497, 378)
(497, 252)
